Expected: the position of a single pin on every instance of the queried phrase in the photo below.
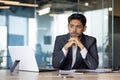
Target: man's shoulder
(89, 37)
(62, 38)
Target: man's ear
(85, 27)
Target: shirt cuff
(84, 53)
(64, 51)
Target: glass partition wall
(52, 21)
(38, 27)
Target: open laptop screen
(26, 56)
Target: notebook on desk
(26, 56)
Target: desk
(22, 75)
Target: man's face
(76, 28)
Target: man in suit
(75, 50)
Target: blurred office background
(36, 23)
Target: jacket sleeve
(58, 55)
(92, 59)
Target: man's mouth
(74, 34)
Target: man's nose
(74, 28)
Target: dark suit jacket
(60, 61)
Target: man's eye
(71, 26)
(78, 26)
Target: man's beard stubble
(74, 34)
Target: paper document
(66, 71)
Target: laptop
(26, 57)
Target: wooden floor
(22, 75)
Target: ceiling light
(10, 2)
(86, 4)
(44, 11)
(4, 7)
(110, 8)
(16, 3)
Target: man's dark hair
(79, 17)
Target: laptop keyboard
(46, 70)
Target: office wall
(16, 21)
(44, 31)
(2, 20)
